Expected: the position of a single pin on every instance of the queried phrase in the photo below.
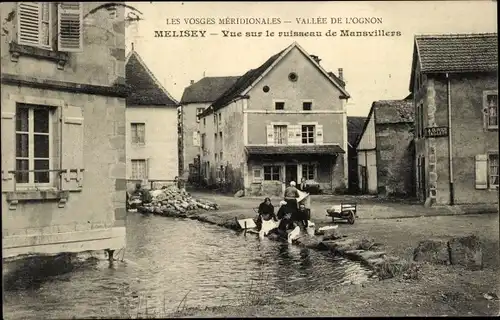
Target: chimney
(192, 81)
(341, 74)
(316, 58)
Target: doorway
(290, 173)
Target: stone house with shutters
(151, 119)
(385, 150)
(196, 98)
(63, 128)
(280, 122)
(454, 86)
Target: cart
(346, 211)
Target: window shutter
(319, 134)
(481, 171)
(270, 134)
(8, 150)
(28, 22)
(72, 137)
(70, 30)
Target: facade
(63, 128)
(279, 122)
(151, 131)
(385, 150)
(354, 129)
(195, 99)
(454, 84)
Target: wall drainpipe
(450, 149)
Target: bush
(399, 268)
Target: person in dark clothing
(291, 195)
(302, 216)
(285, 215)
(266, 212)
(303, 185)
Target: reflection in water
(169, 261)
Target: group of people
(290, 213)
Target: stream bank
(365, 251)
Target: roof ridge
(456, 35)
(150, 73)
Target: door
(290, 174)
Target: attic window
(292, 76)
(265, 89)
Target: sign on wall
(434, 132)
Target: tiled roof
(354, 128)
(244, 81)
(455, 53)
(251, 76)
(458, 52)
(145, 89)
(288, 149)
(207, 89)
(334, 76)
(393, 111)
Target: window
(203, 142)
(138, 133)
(491, 109)
(198, 112)
(215, 118)
(40, 22)
(272, 173)
(308, 171)
(307, 134)
(307, 106)
(257, 174)
(279, 105)
(216, 156)
(493, 170)
(220, 118)
(33, 144)
(220, 156)
(204, 122)
(280, 134)
(139, 169)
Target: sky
(375, 68)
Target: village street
(449, 290)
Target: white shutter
(8, 150)
(270, 134)
(72, 129)
(29, 16)
(70, 29)
(319, 134)
(481, 171)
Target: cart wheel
(351, 218)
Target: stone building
(195, 99)
(385, 149)
(63, 128)
(151, 133)
(454, 85)
(280, 122)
